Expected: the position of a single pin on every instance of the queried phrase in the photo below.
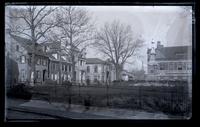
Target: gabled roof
(174, 53)
(27, 44)
(94, 61)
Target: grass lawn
(150, 98)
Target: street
(13, 115)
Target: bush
(50, 82)
(68, 83)
(87, 101)
(88, 82)
(19, 91)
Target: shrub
(87, 102)
(68, 83)
(50, 82)
(88, 81)
(19, 91)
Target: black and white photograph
(98, 62)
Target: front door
(43, 76)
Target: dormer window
(55, 56)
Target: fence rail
(170, 99)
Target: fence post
(55, 88)
(107, 94)
(79, 89)
(140, 103)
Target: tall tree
(32, 22)
(116, 41)
(75, 32)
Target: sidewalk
(79, 111)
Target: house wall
(101, 74)
(66, 71)
(80, 68)
(16, 55)
(41, 69)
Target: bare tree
(116, 41)
(32, 22)
(74, 32)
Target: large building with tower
(169, 63)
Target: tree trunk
(73, 69)
(60, 69)
(118, 72)
(33, 65)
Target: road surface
(15, 115)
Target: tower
(151, 63)
(152, 52)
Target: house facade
(169, 63)
(22, 53)
(60, 62)
(63, 66)
(98, 70)
(80, 68)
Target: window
(175, 66)
(38, 61)
(23, 75)
(63, 67)
(65, 77)
(171, 66)
(95, 79)
(189, 66)
(22, 59)
(88, 69)
(57, 67)
(38, 74)
(180, 55)
(95, 69)
(44, 62)
(184, 66)
(151, 71)
(53, 66)
(66, 68)
(162, 66)
(69, 68)
(56, 77)
(81, 63)
(52, 76)
(180, 66)
(17, 47)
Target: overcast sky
(169, 24)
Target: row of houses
(51, 65)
